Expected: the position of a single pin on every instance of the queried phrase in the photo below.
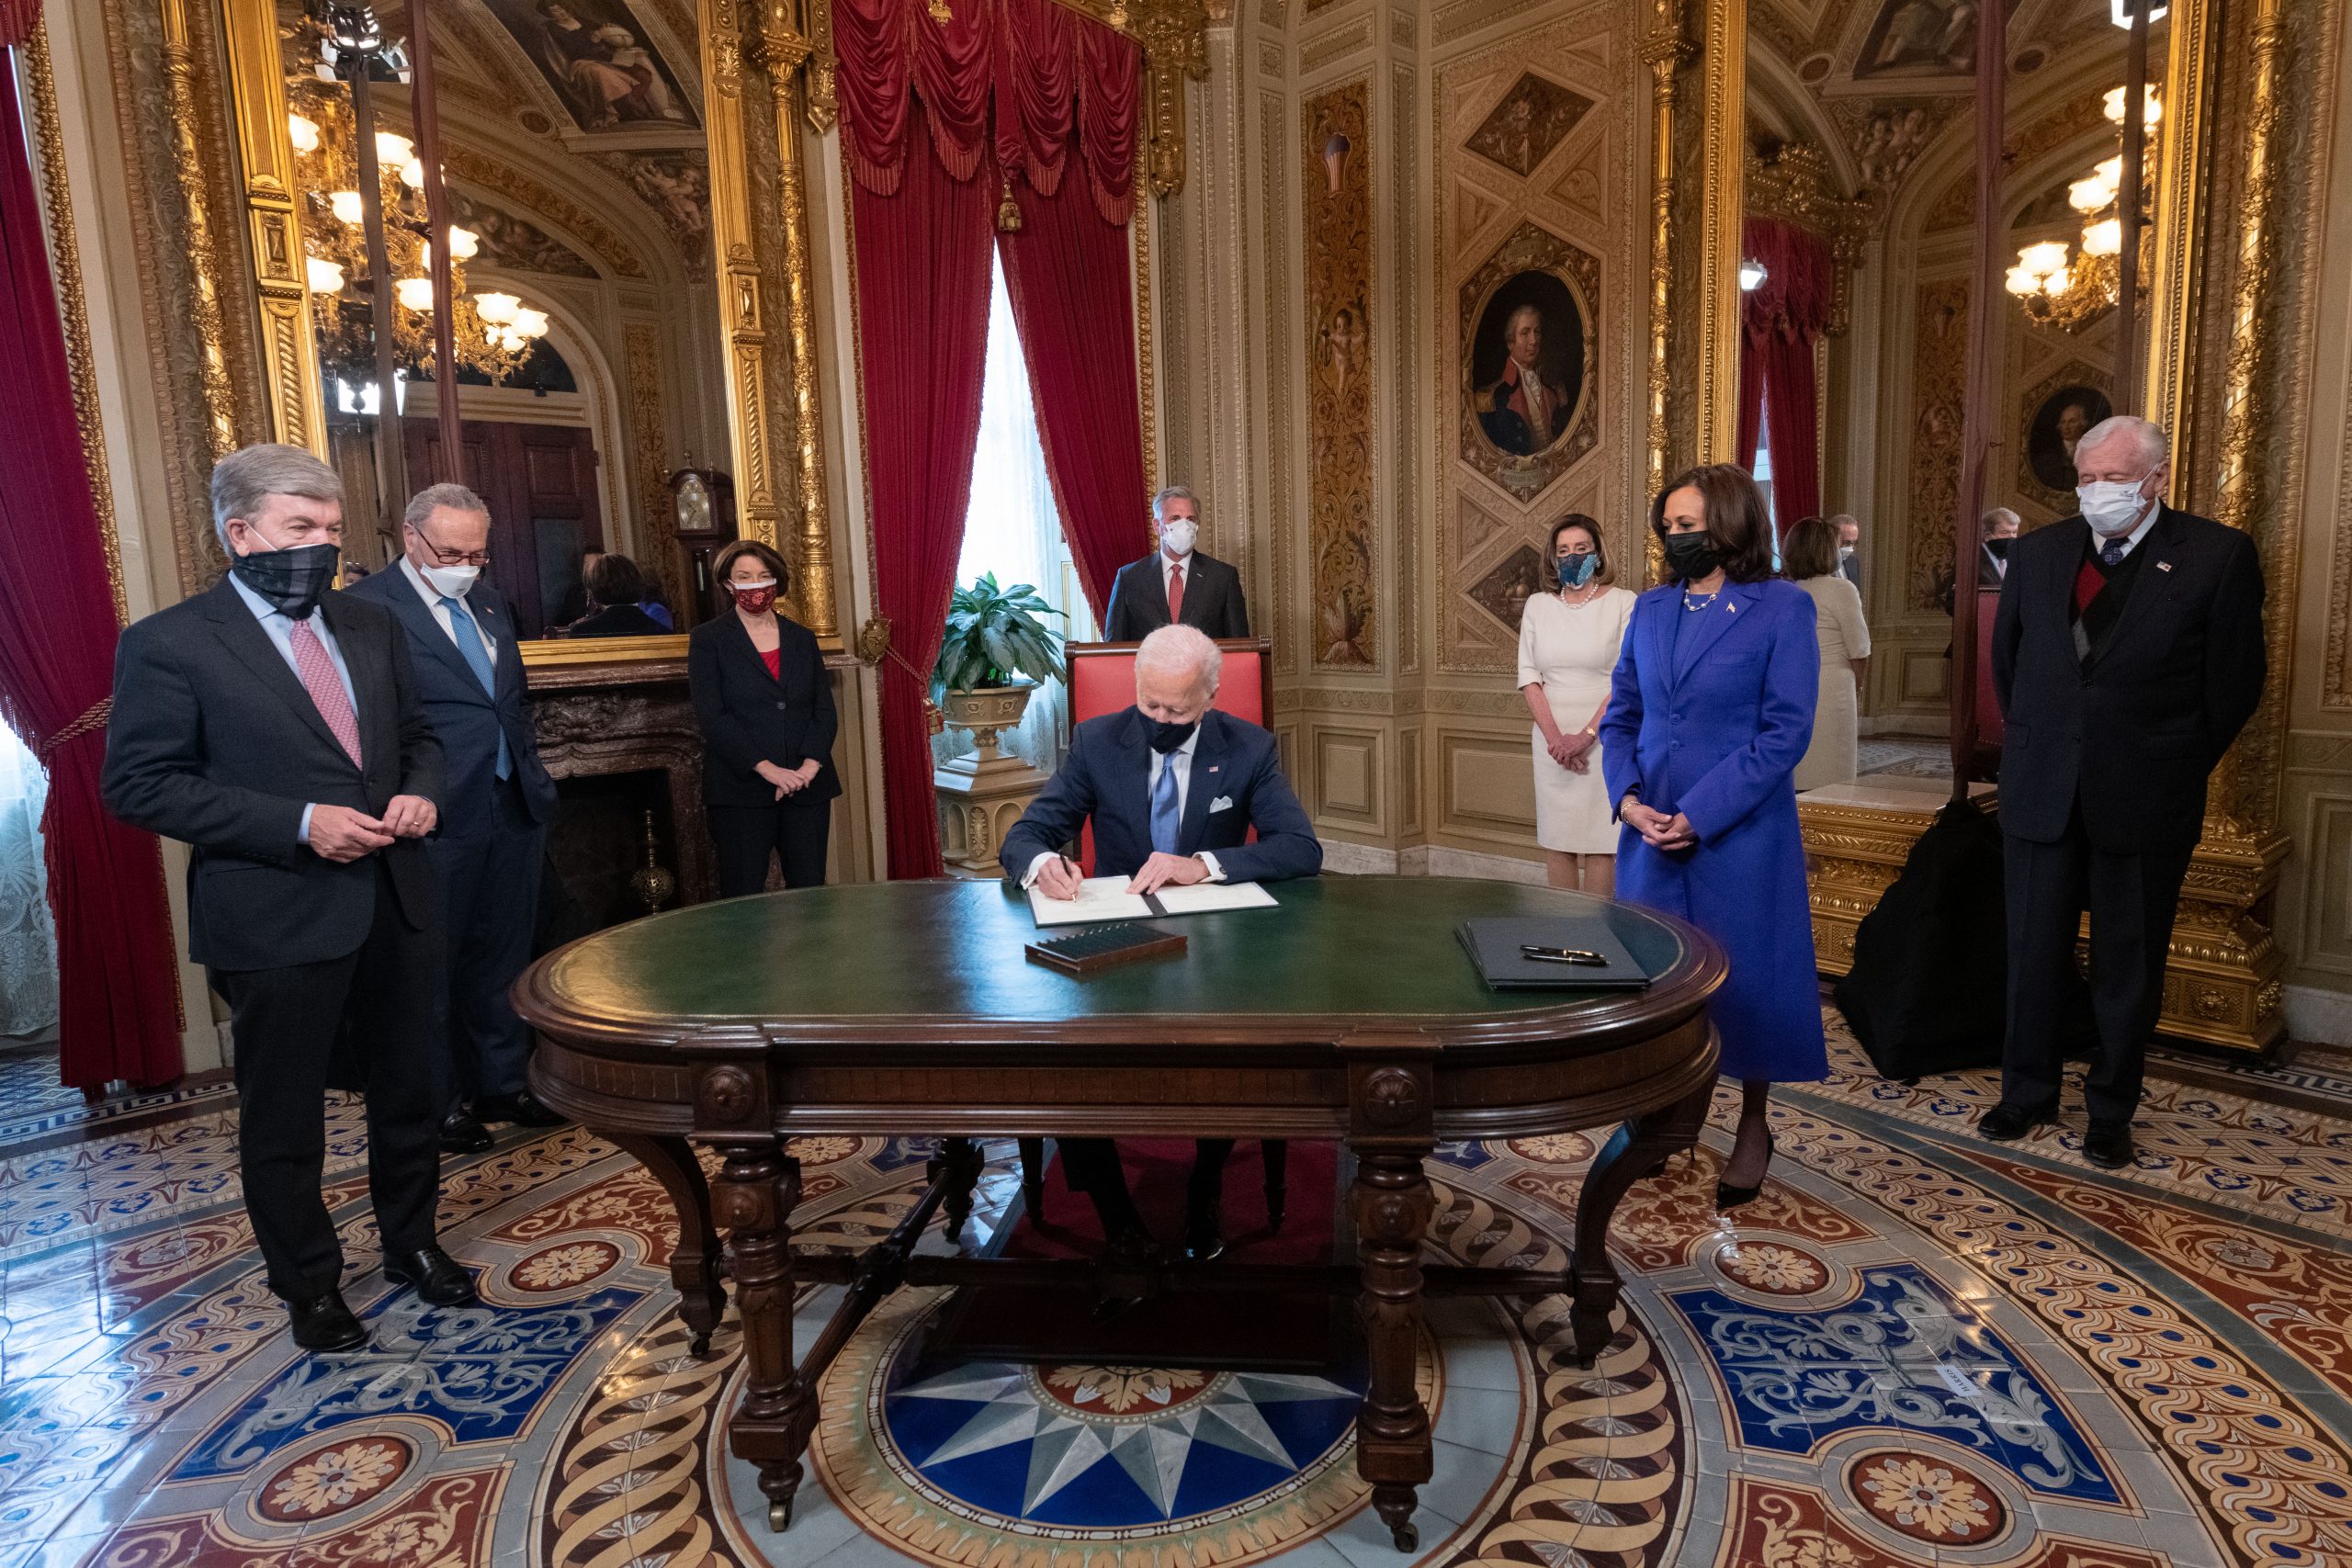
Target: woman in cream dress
(1569, 641)
(1809, 558)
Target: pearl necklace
(1590, 592)
(1694, 602)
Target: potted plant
(993, 637)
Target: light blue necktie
(477, 658)
(1166, 818)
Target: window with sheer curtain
(28, 940)
(1010, 528)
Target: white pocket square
(1222, 802)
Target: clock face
(693, 503)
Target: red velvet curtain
(17, 20)
(1784, 316)
(922, 312)
(1066, 271)
(1005, 95)
(118, 992)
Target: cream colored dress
(1572, 649)
(1834, 756)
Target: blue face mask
(1575, 571)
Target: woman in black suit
(766, 711)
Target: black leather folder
(1494, 949)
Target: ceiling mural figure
(595, 56)
(1920, 37)
(516, 244)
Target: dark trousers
(2132, 899)
(1092, 1165)
(489, 888)
(286, 1022)
(745, 836)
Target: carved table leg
(959, 1160)
(693, 1263)
(1633, 1151)
(757, 1192)
(1393, 1443)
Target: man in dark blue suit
(494, 816)
(1173, 788)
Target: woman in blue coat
(1710, 711)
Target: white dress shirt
(433, 602)
(2139, 531)
(279, 628)
(1181, 759)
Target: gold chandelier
(2069, 287)
(494, 331)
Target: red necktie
(1175, 594)
(316, 669)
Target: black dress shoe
(523, 1109)
(2109, 1145)
(1728, 1196)
(323, 1323)
(2006, 1122)
(435, 1276)
(1203, 1244)
(462, 1134)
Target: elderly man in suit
(1176, 585)
(1849, 540)
(2127, 655)
(461, 640)
(1173, 788)
(274, 725)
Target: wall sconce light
(1335, 160)
(1751, 275)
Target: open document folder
(1107, 898)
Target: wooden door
(540, 482)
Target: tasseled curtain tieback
(95, 716)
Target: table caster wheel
(1408, 1537)
(779, 1518)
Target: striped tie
(316, 669)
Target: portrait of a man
(1527, 362)
(2058, 425)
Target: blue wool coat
(1714, 728)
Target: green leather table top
(1376, 947)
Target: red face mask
(756, 599)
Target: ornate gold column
(1667, 51)
(786, 53)
(1175, 46)
(1723, 121)
(289, 353)
(735, 249)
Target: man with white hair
(274, 725)
(463, 641)
(1848, 529)
(2127, 654)
(1173, 788)
(1176, 585)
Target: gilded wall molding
(1343, 579)
(649, 440)
(65, 264)
(2183, 168)
(1668, 53)
(1724, 108)
(206, 251)
(1147, 370)
(1274, 204)
(289, 353)
(1175, 34)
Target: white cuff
(303, 834)
(1035, 866)
(1216, 872)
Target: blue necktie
(477, 658)
(2112, 553)
(1166, 818)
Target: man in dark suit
(1176, 585)
(1849, 540)
(2127, 654)
(491, 843)
(1173, 788)
(274, 725)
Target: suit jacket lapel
(371, 683)
(1656, 632)
(1207, 781)
(1713, 623)
(749, 649)
(241, 633)
(2150, 583)
(417, 615)
(1133, 797)
(1159, 569)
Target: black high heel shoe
(1730, 1197)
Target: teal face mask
(1575, 571)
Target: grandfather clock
(702, 513)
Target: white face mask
(1844, 551)
(2112, 506)
(1178, 535)
(451, 581)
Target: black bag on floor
(1930, 975)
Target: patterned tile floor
(1917, 1349)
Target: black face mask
(2000, 548)
(1166, 737)
(1692, 556)
(291, 580)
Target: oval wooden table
(1350, 1012)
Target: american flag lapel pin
(2163, 566)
